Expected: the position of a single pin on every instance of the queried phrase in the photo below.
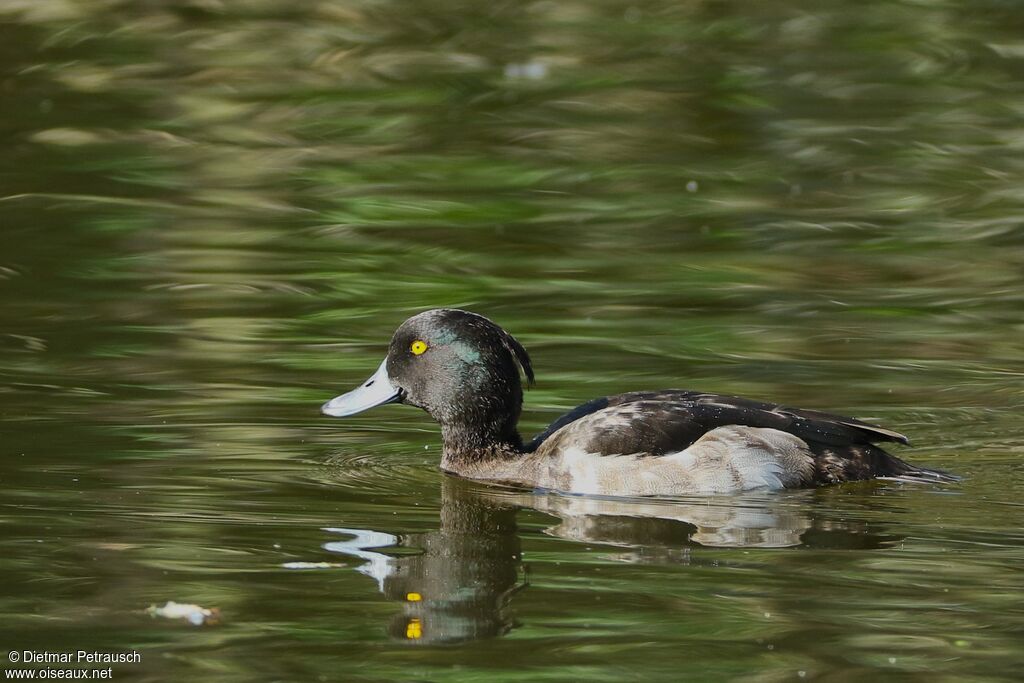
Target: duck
(465, 371)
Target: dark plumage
(463, 370)
(661, 422)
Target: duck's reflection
(749, 522)
(458, 585)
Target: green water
(215, 213)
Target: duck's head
(458, 366)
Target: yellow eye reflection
(414, 629)
(418, 347)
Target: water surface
(214, 214)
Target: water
(214, 215)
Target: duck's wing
(656, 423)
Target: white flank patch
(582, 468)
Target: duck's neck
(469, 445)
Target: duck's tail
(904, 471)
(861, 461)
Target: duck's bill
(375, 391)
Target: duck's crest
(520, 354)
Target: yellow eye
(418, 347)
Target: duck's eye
(418, 347)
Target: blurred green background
(214, 213)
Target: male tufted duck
(462, 369)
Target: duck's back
(677, 441)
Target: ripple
(249, 286)
(384, 473)
(8, 273)
(313, 565)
